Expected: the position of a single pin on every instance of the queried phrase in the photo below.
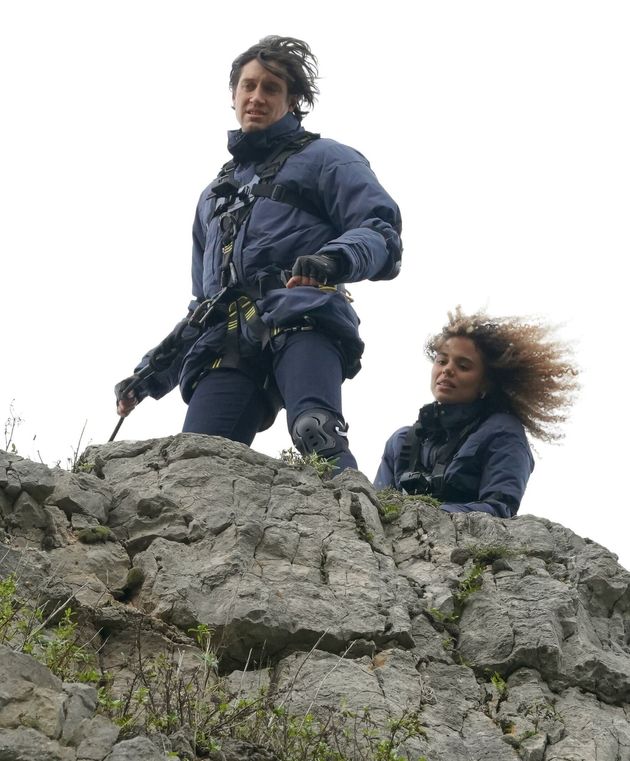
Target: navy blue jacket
(489, 472)
(357, 219)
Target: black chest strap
(234, 203)
(230, 194)
(410, 458)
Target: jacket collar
(449, 417)
(253, 146)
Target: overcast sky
(501, 128)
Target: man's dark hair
(288, 58)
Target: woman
(492, 380)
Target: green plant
(83, 466)
(499, 682)
(323, 467)
(471, 583)
(24, 629)
(448, 642)
(389, 511)
(392, 502)
(95, 534)
(162, 696)
(468, 585)
(443, 618)
(428, 500)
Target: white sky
(501, 128)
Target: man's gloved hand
(127, 397)
(317, 269)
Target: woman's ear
(486, 388)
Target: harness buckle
(277, 193)
(202, 313)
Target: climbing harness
(416, 479)
(234, 203)
(233, 207)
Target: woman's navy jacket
(357, 219)
(489, 472)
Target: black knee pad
(320, 431)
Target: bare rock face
(510, 639)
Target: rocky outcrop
(505, 639)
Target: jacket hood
(251, 146)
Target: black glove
(325, 268)
(127, 386)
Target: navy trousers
(308, 371)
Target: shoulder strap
(267, 172)
(446, 454)
(227, 188)
(409, 458)
(410, 450)
(270, 167)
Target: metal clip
(201, 314)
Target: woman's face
(458, 373)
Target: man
(285, 223)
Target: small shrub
(499, 682)
(23, 628)
(487, 555)
(392, 502)
(322, 466)
(161, 697)
(469, 584)
(12, 422)
(95, 534)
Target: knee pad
(320, 431)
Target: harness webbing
(234, 205)
(410, 453)
(238, 202)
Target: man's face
(260, 98)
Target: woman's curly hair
(288, 58)
(531, 372)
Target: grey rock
(28, 519)
(98, 738)
(79, 705)
(533, 748)
(81, 493)
(29, 689)
(36, 479)
(136, 749)
(41, 718)
(26, 744)
(505, 639)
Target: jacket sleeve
(507, 465)
(386, 474)
(160, 382)
(367, 218)
(199, 244)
